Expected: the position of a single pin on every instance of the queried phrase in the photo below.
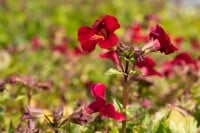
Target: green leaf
(133, 108)
(1, 118)
(163, 127)
(183, 123)
(1, 109)
(132, 60)
(133, 72)
(11, 127)
(117, 103)
(113, 71)
(20, 98)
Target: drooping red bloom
(100, 104)
(158, 33)
(101, 33)
(147, 67)
(112, 55)
(183, 59)
(137, 35)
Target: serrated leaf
(113, 71)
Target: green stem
(125, 94)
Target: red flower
(178, 40)
(195, 43)
(137, 35)
(65, 50)
(112, 55)
(146, 103)
(100, 105)
(152, 17)
(62, 48)
(183, 59)
(77, 51)
(36, 43)
(158, 33)
(101, 33)
(146, 66)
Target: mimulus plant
(125, 57)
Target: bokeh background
(20, 20)
(24, 23)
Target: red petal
(149, 71)
(183, 59)
(111, 23)
(137, 35)
(98, 90)
(36, 43)
(119, 116)
(96, 105)
(186, 57)
(84, 36)
(109, 42)
(63, 48)
(166, 68)
(146, 67)
(147, 62)
(109, 111)
(112, 55)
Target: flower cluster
(102, 33)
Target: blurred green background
(22, 19)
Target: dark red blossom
(147, 67)
(158, 33)
(183, 59)
(101, 33)
(100, 104)
(112, 55)
(137, 35)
